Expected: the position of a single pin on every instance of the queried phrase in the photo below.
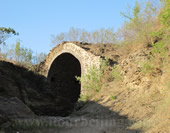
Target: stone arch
(85, 58)
(65, 51)
(61, 75)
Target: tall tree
(17, 51)
(5, 33)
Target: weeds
(158, 48)
(156, 34)
(83, 98)
(116, 73)
(92, 80)
(113, 97)
(147, 67)
(164, 15)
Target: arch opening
(62, 75)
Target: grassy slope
(143, 96)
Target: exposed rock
(134, 78)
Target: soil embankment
(137, 102)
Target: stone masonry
(51, 67)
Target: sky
(37, 20)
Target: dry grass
(147, 104)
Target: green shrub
(92, 80)
(164, 15)
(83, 97)
(147, 67)
(158, 48)
(157, 34)
(140, 23)
(116, 73)
(112, 97)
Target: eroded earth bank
(137, 102)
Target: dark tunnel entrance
(62, 75)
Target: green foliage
(147, 67)
(157, 34)
(17, 49)
(5, 33)
(83, 98)
(158, 48)
(136, 12)
(8, 30)
(161, 47)
(92, 80)
(116, 73)
(164, 15)
(164, 18)
(17, 53)
(21, 55)
(140, 24)
(113, 97)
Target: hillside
(138, 100)
(138, 90)
(141, 95)
(99, 82)
(25, 94)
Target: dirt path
(90, 118)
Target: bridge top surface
(88, 54)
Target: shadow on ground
(21, 89)
(89, 117)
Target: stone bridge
(66, 61)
